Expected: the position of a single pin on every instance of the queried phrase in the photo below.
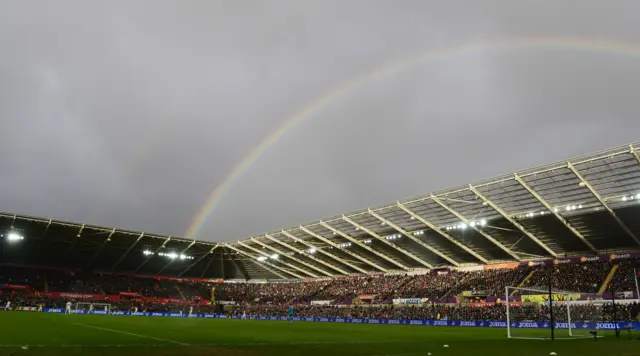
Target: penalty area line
(131, 334)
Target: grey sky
(128, 113)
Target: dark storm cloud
(128, 113)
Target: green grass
(55, 334)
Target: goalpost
(96, 306)
(542, 314)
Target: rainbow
(523, 43)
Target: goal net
(537, 313)
(97, 307)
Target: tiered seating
(161, 294)
(583, 277)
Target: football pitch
(23, 333)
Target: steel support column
(206, 268)
(554, 212)
(95, 256)
(284, 244)
(633, 151)
(593, 191)
(334, 245)
(292, 258)
(75, 242)
(266, 265)
(238, 267)
(365, 247)
(466, 221)
(44, 234)
(442, 233)
(127, 252)
(196, 261)
(383, 240)
(413, 238)
(512, 221)
(264, 254)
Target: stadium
(494, 267)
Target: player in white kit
(190, 311)
(106, 309)
(39, 308)
(68, 308)
(8, 306)
(135, 310)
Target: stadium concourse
(446, 257)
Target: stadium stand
(570, 224)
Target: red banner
(130, 294)
(512, 265)
(14, 286)
(75, 295)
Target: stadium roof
(585, 205)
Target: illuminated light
(483, 222)
(383, 223)
(413, 217)
(580, 206)
(472, 223)
(542, 212)
(624, 198)
(147, 252)
(262, 258)
(638, 196)
(12, 236)
(312, 250)
(357, 229)
(573, 207)
(484, 203)
(274, 256)
(463, 226)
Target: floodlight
(13, 237)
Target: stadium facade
(579, 208)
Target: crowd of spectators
(490, 282)
(496, 312)
(625, 278)
(272, 298)
(575, 277)
(60, 280)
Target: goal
(97, 307)
(543, 314)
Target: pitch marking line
(131, 334)
(212, 344)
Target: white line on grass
(131, 334)
(212, 344)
